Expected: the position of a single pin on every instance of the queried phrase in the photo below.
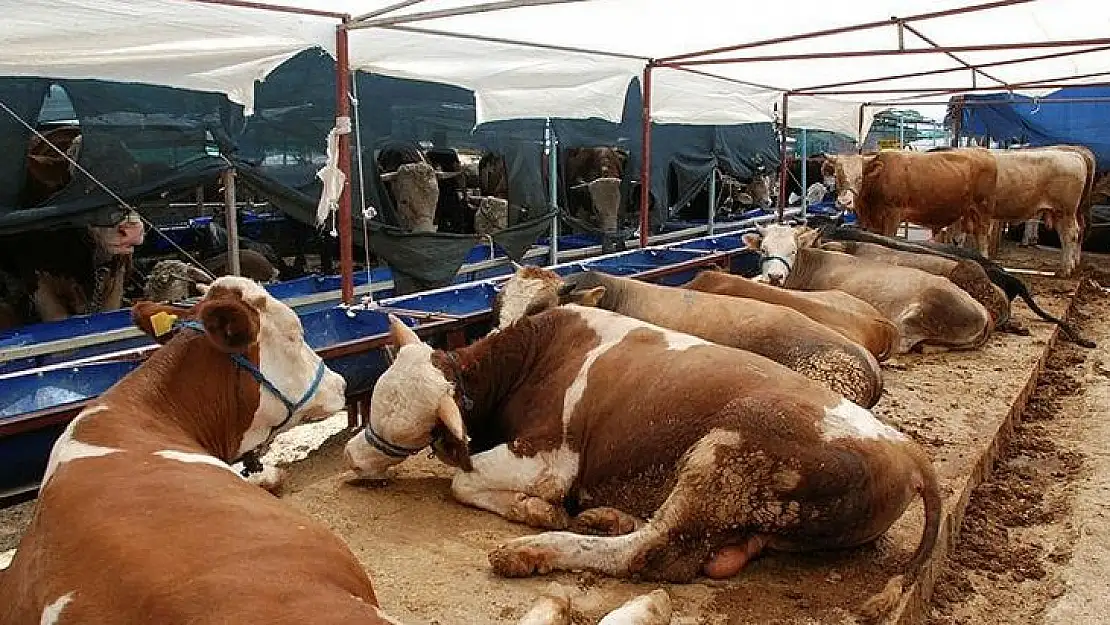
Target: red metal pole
(782, 156)
(843, 29)
(645, 158)
(343, 116)
(846, 54)
(1055, 82)
(244, 4)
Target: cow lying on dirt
(929, 311)
(686, 456)
(784, 335)
(1011, 285)
(965, 274)
(854, 318)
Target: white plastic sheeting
(219, 48)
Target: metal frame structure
(709, 57)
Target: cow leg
(680, 539)
(653, 608)
(1068, 229)
(605, 522)
(552, 608)
(524, 490)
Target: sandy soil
(427, 554)
(1032, 547)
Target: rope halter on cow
(392, 450)
(244, 363)
(766, 258)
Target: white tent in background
(575, 58)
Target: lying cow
(854, 318)
(1010, 284)
(930, 312)
(965, 274)
(139, 490)
(699, 456)
(177, 281)
(776, 332)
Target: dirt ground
(1032, 547)
(427, 553)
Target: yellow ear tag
(162, 322)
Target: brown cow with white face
(844, 172)
(854, 318)
(929, 311)
(687, 456)
(776, 332)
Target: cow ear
(400, 333)
(159, 321)
(229, 322)
(587, 297)
(752, 240)
(806, 237)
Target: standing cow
(68, 272)
(593, 176)
(413, 183)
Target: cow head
(491, 214)
(533, 290)
(847, 177)
(243, 322)
(416, 189)
(605, 195)
(759, 188)
(410, 401)
(778, 246)
(828, 171)
(122, 238)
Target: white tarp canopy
(223, 48)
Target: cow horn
(448, 413)
(203, 288)
(581, 185)
(400, 333)
(516, 266)
(447, 175)
(388, 176)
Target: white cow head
(122, 238)
(778, 246)
(410, 400)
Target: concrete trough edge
(914, 605)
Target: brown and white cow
(930, 311)
(686, 456)
(844, 172)
(141, 519)
(776, 332)
(854, 318)
(931, 189)
(966, 274)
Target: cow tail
(884, 602)
(1084, 212)
(1069, 332)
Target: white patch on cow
(516, 295)
(653, 608)
(849, 420)
(67, 448)
(288, 362)
(402, 409)
(193, 458)
(53, 612)
(6, 559)
(611, 329)
(499, 475)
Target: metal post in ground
(804, 160)
(550, 143)
(231, 221)
(712, 200)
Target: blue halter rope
(245, 364)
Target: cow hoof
(605, 522)
(536, 512)
(271, 478)
(520, 560)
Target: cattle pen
(427, 553)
